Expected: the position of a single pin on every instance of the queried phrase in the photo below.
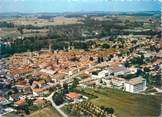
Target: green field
(126, 104)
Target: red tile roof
(20, 102)
(73, 95)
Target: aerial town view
(80, 58)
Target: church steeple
(49, 46)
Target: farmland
(138, 105)
(45, 22)
(46, 112)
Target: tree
(26, 109)
(9, 93)
(91, 59)
(28, 102)
(75, 83)
(107, 46)
(58, 98)
(146, 69)
(102, 59)
(20, 29)
(101, 81)
(99, 60)
(109, 110)
(158, 80)
(148, 78)
(58, 86)
(126, 64)
(139, 72)
(65, 88)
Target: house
(112, 81)
(157, 62)
(118, 82)
(40, 91)
(3, 101)
(104, 73)
(99, 73)
(26, 89)
(120, 70)
(39, 84)
(115, 70)
(58, 77)
(20, 71)
(48, 72)
(135, 85)
(16, 97)
(106, 82)
(73, 96)
(20, 102)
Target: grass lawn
(126, 104)
(45, 112)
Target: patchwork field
(46, 22)
(126, 104)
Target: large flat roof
(135, 81)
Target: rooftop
(20, 102)
(73, 95)
(39, 89)
(136, 81)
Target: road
(69, 79)
(49, 98)
(158, 90)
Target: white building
(101, 74)
(135, 85)
(121, 70)
(112, 81)
(118, 82)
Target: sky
(33, 6)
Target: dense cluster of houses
(32, 74)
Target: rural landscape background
(80, 58)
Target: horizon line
(83, 11)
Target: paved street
(49, 98)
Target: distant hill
(75, 14)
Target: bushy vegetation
(64, 36)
